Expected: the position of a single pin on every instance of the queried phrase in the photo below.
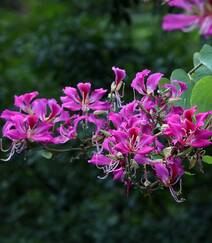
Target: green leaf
(181, 75)
(46, 154)
(163, 81)
(207, 159)
(200, 73)
(201, 94)
(205, 56)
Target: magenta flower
(28, 128)
(116, 149)
(169, 171)
(188, 129)
(109, 165)
(143, 143)
(128, 117)
(146, 87)
(133, 141)
(24, 101)
(176, 88)
(48, 110)
(197, 13)
(120, 75)
(83, 100)
(67, 130)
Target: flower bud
(147, 183)
(167, 152)
(164, 127)
(111, 96)
(119, 155)
(134, 164)
(100, 112)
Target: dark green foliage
(46, 45)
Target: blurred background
(45, 45)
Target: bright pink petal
(145, 150)
(72, 94)
(8, 114)
(99, 105)
(120, 74)
(84, 89)
(39, 108)
(184, 4)
(23, 101)
(54, 108)
(116, 119)
(200, 143)
(99, 159)
(123, 148)
(138, 82)
(161, 172)
(71, 105)
(179, 21)
(152, 82)
(118, 174)
(200, 119)
(97, 94)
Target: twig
(193, 70)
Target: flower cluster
(147, 143)
(197, 13)
(45, 121)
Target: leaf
(181, 75)
(201, 94)
(200, 73)
(207, 159)
(163, 81)
(205, 56)
(46, 154)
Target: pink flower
(109, 165)
(83, 100)
(169, 171)
(24, 101)
(116, 149)
(188, 129)
(176, 89)
(197, 13)
(146, 87)
(67, 130)
(133, 141)
(120, 75)
(28, 128)
(48, 110)
(129, 116)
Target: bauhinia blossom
(196, 14)
(146, 143)
(84, 99)
(188, 129)
(120, 75)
